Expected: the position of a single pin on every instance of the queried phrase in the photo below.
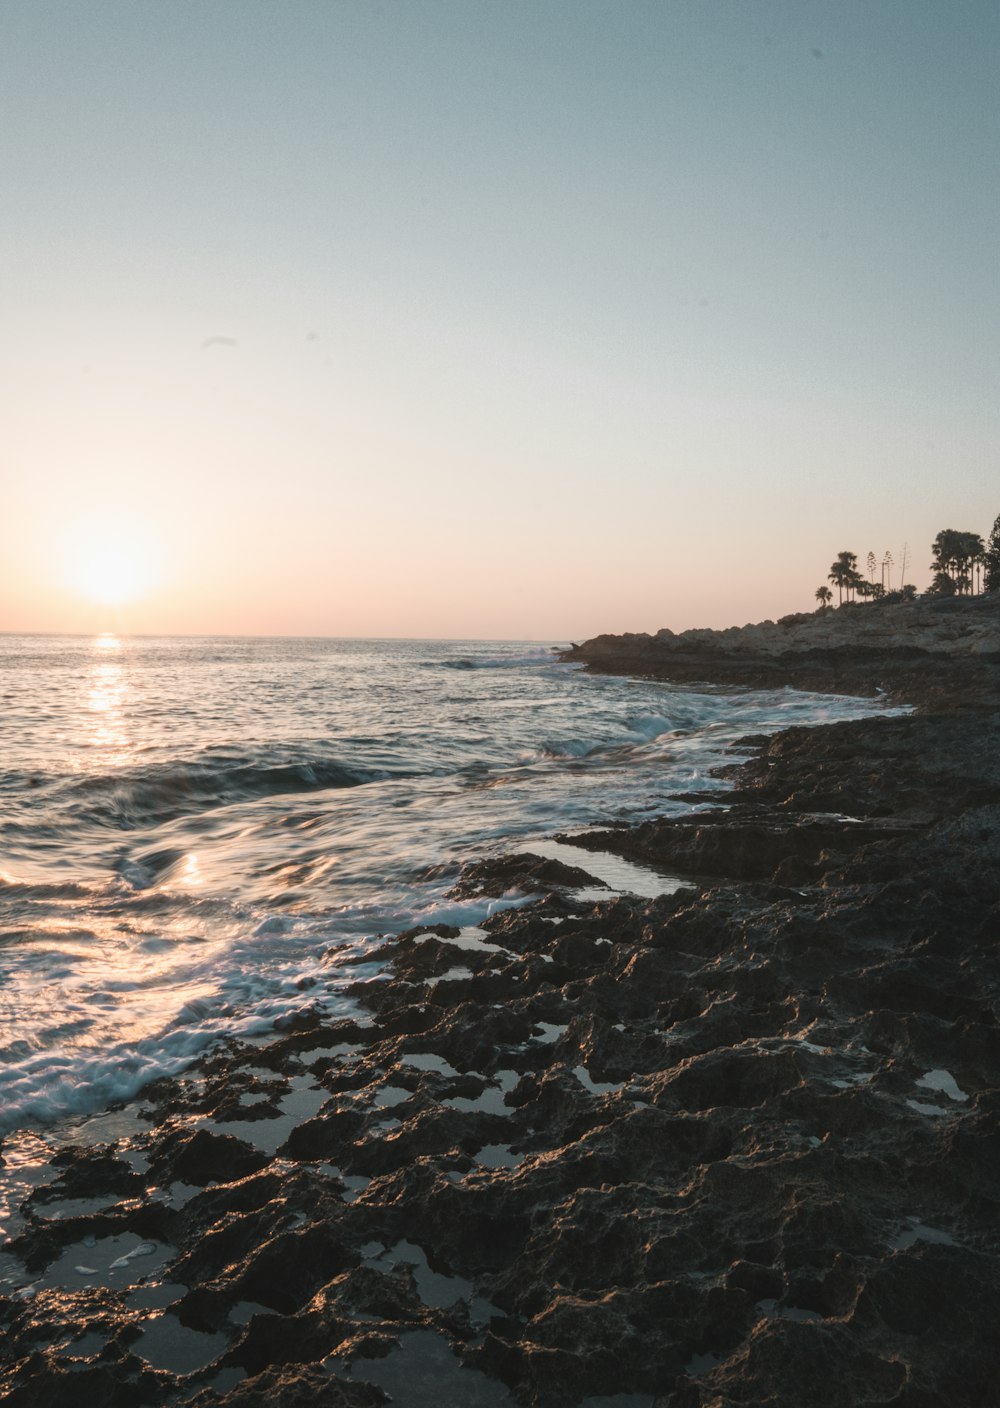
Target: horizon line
(248, 635)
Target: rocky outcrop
(527, 873)
(919, 650)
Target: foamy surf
(193, 831)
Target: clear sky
(531, 318)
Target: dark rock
(296, 1386)
(204, 1157)
(736, 1145)
(523, 872)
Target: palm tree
(824, 596)
(971, 549)
(844, 574)
(978, 567)
(991, 557)
(943, 584)
(954, 554)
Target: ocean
(192, 830)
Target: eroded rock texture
(737, 1145)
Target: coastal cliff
(909, 650)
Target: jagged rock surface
(734, 1146)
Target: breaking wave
(151, 795)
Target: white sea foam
(189, 827)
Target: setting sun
(110, 560)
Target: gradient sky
(515, 319)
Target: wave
(650, 726)
(14, 887)
(632, 738)
(561, 748)
(258, 981)
(152, 795)
(494, 662)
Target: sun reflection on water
(191, 876)
(106, 700)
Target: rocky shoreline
(734, 1145)
(928, 651)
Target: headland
(919, 652)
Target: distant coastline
(911, 651)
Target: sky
(527, 320)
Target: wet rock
(287, 1270)
(297, 1386)
(88, 1173)
(735, 1145)
(522, 872)
(203, 1156)
(327, 1136)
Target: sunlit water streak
(187, 827)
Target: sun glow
(110, 560)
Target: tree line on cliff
(962, 564)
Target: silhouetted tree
(824, 596)
(954, 555)
(991, 558)
(887, 570)
(942, 584)
(973, 549)
(871, 589)
(844, 575)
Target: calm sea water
(188, 826)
